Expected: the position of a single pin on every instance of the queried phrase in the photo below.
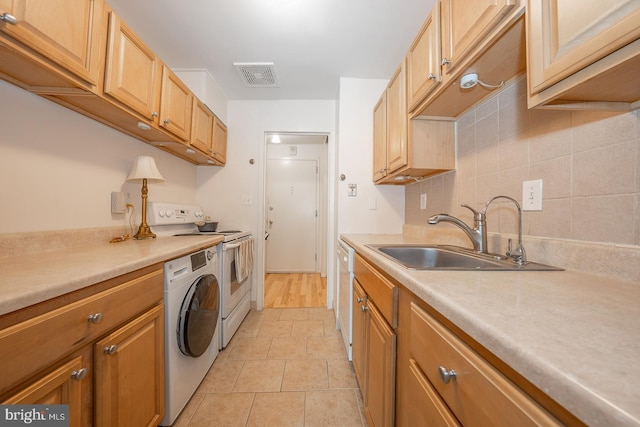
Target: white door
(292, 215)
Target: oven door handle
(231, 245)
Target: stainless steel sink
(441, 257)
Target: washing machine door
(199, 316)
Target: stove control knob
(161, 212)
(169, 213)
(210, 255)
(198, 214)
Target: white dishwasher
(345, 293)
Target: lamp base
(144, 232)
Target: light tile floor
(284, 367)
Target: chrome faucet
(518, 255)
(477, 234)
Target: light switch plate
(532, 195)
(353, 190)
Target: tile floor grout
(264, 377)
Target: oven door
(232, 289)
(199, 316)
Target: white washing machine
(192, 326)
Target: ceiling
(312, 43)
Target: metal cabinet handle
(431, 76)
(111, 349)
(8, 18)
(360, 300)
(166, 121)
(95, 318)
(445, 61)
(365, 308)
(79, 374)
(446, 375)
(154, 114)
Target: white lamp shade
(145, 167)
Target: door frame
(327, 219)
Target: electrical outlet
(532, 195)
(353, 190)
(423, 201)
(246, 200)
(119, 202)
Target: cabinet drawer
(382, 292)
(427, 407)
(29, 346)
(478, 394)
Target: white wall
(204, 86)
(355, 160)
(58, 168)
(220, 189)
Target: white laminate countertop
(29, 279)
(575, 336)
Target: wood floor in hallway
(289, 290)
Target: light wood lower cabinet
(62, 385)
(48, 352)
(374, 342)
(443, 381)
(129, 373)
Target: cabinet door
(202, 127)
(380, 138)
(423, 60)
(397, 150)
(381, 370)
(129, 377)
(132, 70)
(219, 141)
(176, 104)
(359, 337)
(465, 23)
(562, 41)
(60, 386)
(68, 32)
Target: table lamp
(144, 169)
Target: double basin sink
(443, 257)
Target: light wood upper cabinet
(202, 127)
(466, 23)
(219, 152)
(423, 60)
(380, 138)
(562, 41)
(67, 32)
(176, 104)
(397, 151)
(132, 70)
(586, 57)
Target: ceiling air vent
(257, 74)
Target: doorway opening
(295, 215)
